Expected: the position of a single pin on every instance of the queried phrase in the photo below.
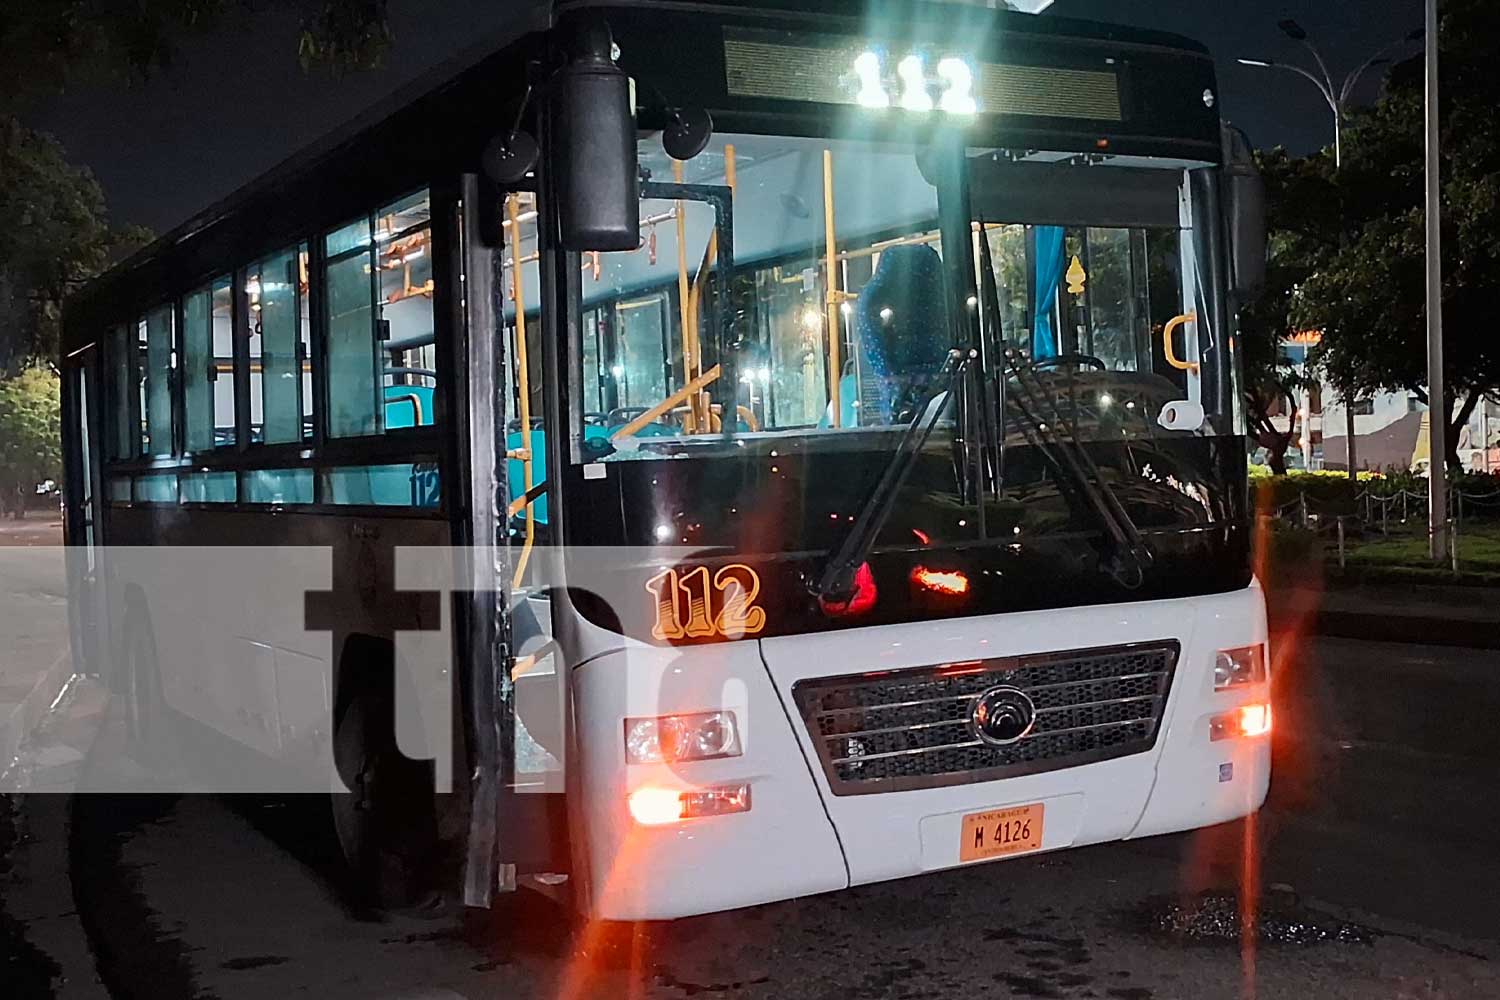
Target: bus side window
(123, 395)
(208, 367)
(277, 325)
(156, 333)
(382, 364)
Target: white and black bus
(846, 405)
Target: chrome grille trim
(1091, 705)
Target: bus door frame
(480, 521)
(83, 505)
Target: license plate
(1000, 832)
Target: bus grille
(898, 730)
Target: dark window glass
(156, 489)
(208, 367)
(277, 325)
(410, 485)
(382, 364)
(156, 332)
(208, 487)
(278, 486)
(124, 401)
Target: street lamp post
(1338, 101)
(1437, 419)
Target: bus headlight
(669, 739)
(1238, 667)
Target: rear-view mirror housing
(593, 138)
(1245, 210)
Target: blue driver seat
(902, 332)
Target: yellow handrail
(1166, 340)
(683, 287)
(830, 248)
(695, 297)
(523, 381)
(669, 403)
(417, 417)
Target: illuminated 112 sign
(912, 86)
(736, 588)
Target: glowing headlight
(672, 738)
(1238, 667)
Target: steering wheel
(1076, 360)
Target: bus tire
(386, 823)
(145, 709)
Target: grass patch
(1478, 551)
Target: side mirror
(1245, 206)
(593, 135)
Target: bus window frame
(318, 452)
(719, 197)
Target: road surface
(1374, 872)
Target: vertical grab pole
(701, 402)
(835, 342)
(731, 177)
(689, 341)
(523, 381)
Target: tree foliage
(30, 435)
(58, 237)
(50, 44)
(1353, 243)
(1302, 219)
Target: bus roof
(428, 129)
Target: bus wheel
(386, 823)
(145, 711)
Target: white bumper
(800, 838)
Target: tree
(30, 436)
(1366, 291)
(58, 237)
(48, 44)
(59, 234)
(1304, 226)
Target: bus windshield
(843, 305)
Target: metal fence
(1391, 512)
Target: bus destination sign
(833, 69)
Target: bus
(842, 408)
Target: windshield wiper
(1070, 461)
(837, 583)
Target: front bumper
(800, 837)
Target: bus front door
(81, 498)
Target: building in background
(1389, 427)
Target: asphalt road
(1373, 872)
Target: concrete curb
(1415, 629)
(21, 720)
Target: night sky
(236, 102)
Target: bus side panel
(257, 669)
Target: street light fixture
(1337, 99)
(1292, 30)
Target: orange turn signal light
(1244, 722)
(1255, 720)
(652, 806)
(655, 806)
